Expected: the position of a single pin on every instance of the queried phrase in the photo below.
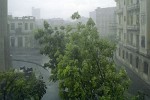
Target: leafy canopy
(16, 86)
(82, 62)
(87, 71)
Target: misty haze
(74, 50)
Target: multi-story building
(4, 46)
(21, 31)
(93, 16)
(105, 19)
(36, 12)
(133, 19)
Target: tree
(38, 89)
(75, 16)
(52, 45)
(62, 27)
(82, 62)
(87, 71)
(16, 86)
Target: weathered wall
(4, 41)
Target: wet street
(137, 84)
(35, 61)
(52, 92)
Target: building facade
(93, 16)
(133, 19)
(4, 38)
(105, 19)
(21, 30)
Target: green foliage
(62, 27)
(87, 71)
(112, 38)
(16, 86)
(52, 43)
(83, 63)
(75, 16)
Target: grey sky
(56, 8)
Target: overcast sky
(56, 8)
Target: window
(12, 26)
(137, 1)
(143, 41)
(26, 26)
(137, 62)
(19, 24)
(120, 22)
(120, 35)
(128, 20)
(131, 19)
(125, 36)
(131, 38)
(124, 18)
(128, 36)
(124, 2)
(20, 42)
(12, 42)
(131, 59)
(146, 68)
(123, 54)
(143, 19)
(137, 19)
(31, 26)
(126, 55)
(27, 41)
(137, 41)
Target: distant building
(36, 12)
(105, 20)
(21, 31)
(93, 16)
(133, 19)
(4, 41)
(83, 20)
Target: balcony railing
(119, 10)
(133, 7)
(133, 27)
(120, 26)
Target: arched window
(12, 42)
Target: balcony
(133, 27)
(133, 7)
(120, 26)
(132, 47)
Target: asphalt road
(52, 92)
(52, 88)
(137, 84)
